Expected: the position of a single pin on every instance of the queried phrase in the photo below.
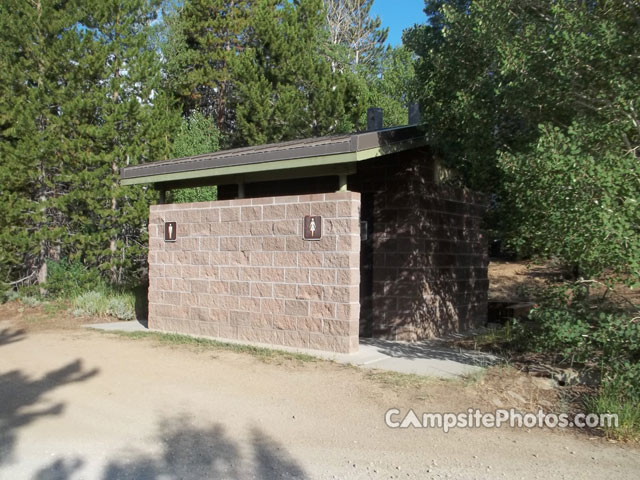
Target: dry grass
(42, 317)
(205, 344)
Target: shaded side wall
(430, 255)
(240, 270)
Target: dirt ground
(509, 280)
(514, 282)
(78, 404)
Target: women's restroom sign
(312, 227)
(170, 231)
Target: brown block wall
(240, 270)
(430, 255)
(430, 264)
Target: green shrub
(30, 301)
(103, 303)
(562, 324)
(29, 291)
(70, 279)
(568, 322)
(9, 295)
(122, 307)
(92, 303)
(594, 333)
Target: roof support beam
(342, 183)
(163, 195)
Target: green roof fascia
(389, 149)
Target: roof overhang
(336, 155)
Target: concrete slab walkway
(431, 358)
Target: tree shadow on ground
(60, 470)
(22, 395)
(190, 452)
(431, 349)
(272, 460)
(8, 336)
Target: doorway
(366, 264)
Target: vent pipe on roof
(414, 114)
(374, 119)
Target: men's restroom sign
(312, 227)
(170, 231)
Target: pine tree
(203, 38)
(38, 51)
(81, 96)
(197, 135)
(286, 89)
(125, 118)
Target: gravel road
(78, 404)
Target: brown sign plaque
(170, 231)
(312, 227)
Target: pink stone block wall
(240, 270)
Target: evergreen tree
(39, 48)
(203, 38)
(125, 118)
(286, 88)
(81, 97)
(197, 135)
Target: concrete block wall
(240, 270)
(430, 263)
(430, 254)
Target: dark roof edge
(296, 149)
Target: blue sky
(398, 15)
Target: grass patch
(400, 380)
(609, 400)
(473, 378)
(175, 339)
(54, 308)
(72, 286)
(503, 341)
(33, 319)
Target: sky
(398, 15)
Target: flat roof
(313, 156)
